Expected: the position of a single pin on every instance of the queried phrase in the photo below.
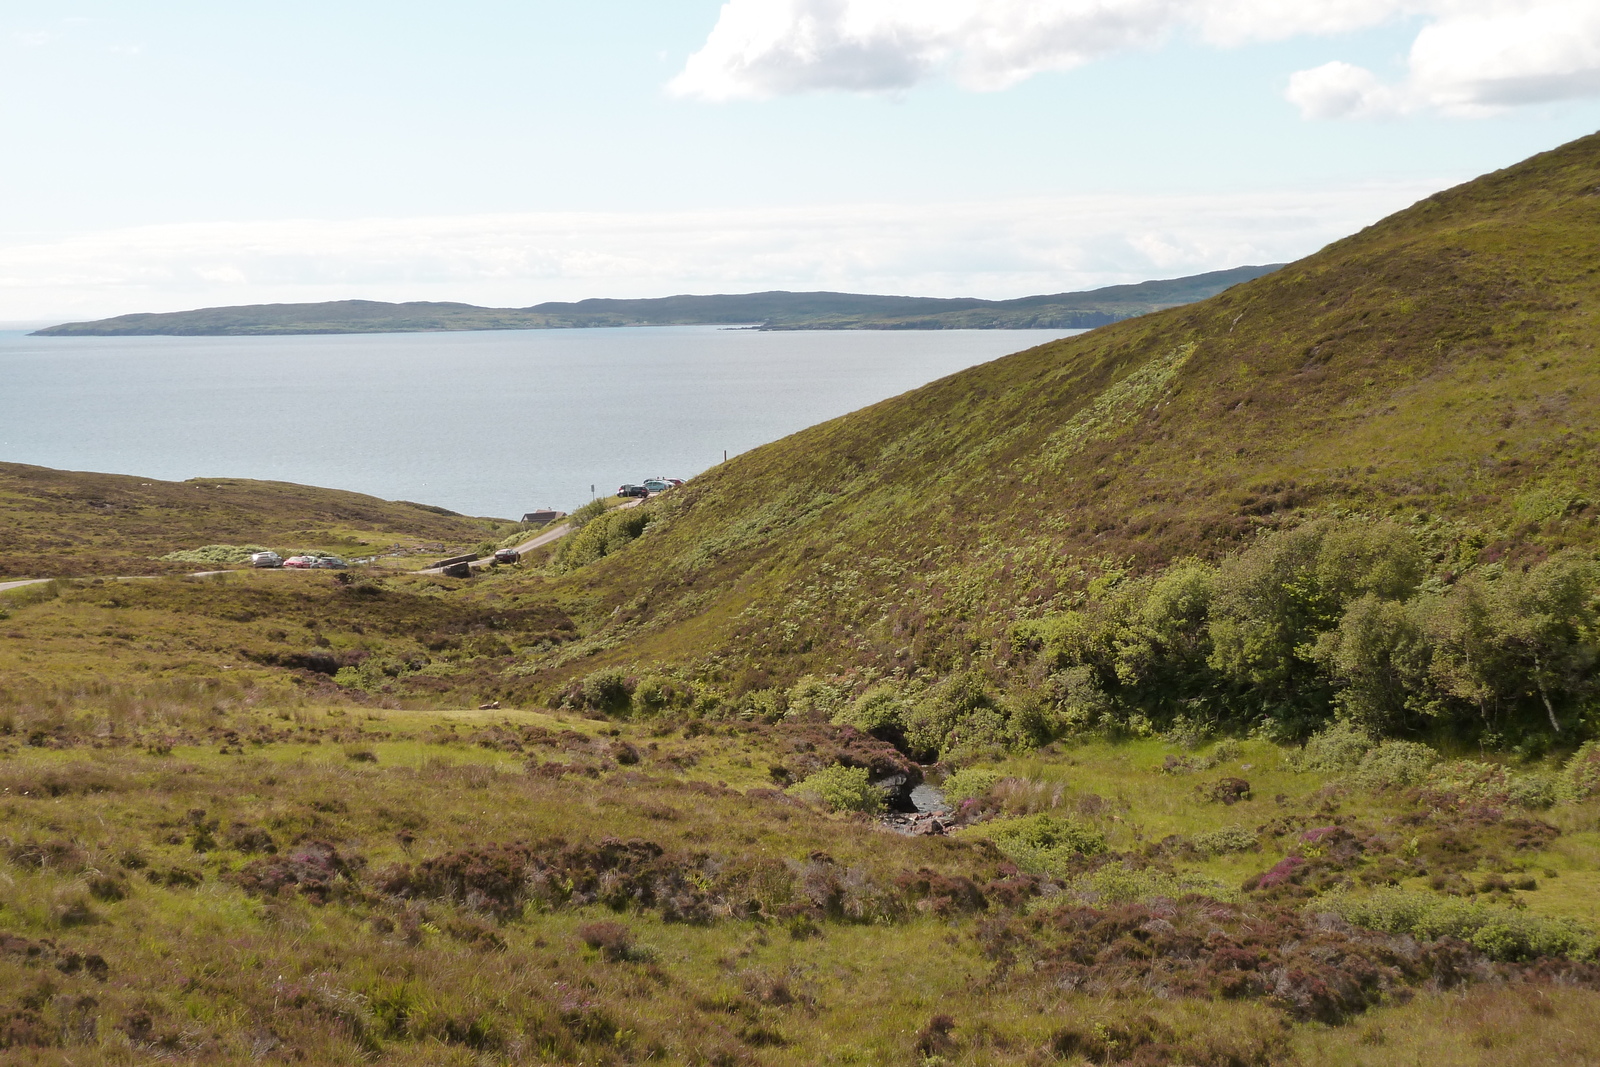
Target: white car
(266, 559)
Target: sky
(162, 156)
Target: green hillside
(630, 800)
(1438, 368)
(59, 524)
(774, 310)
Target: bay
(485, 423)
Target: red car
(302, 562)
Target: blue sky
(168, 155)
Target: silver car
(266, 559)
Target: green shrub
(841, 788)
(1119, 883)
(1043, 843)
(1029, 721)
(1187, 733)
(602, 536)
(656, 693)
(1227, 749)
(1226, 840)
(880, 708)
(813, 698)
(606, 690)
(1532, 791)
(1500, 933)
(959, 711)
(969, 782)
(589, 512)
(1339, 747)
(1395, 763)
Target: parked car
(633, 490)
(265, 559)
(299, 562)
(657, 485)
(506, 555)
(329, 563)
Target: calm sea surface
(493, 423)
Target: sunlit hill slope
(1438, 367)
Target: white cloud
(1469, 56)
(1339, 90)
(1508, 54)
(1003, 249)
(1473, 59)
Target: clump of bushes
(1470, 782)
(1580, 776)
(841, 788)
(1499, 933)
(1126, 883)
(1345, 748)
(1043, 844)
(969, 783)
(600, 537)
(1330, 619)
(879, 711)
(215, 555)
(608, 690)
(1227, 840)
(813, 698)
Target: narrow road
(123, 578)
(18, 585)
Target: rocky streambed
(929, 814)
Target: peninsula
(769, 311)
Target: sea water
(485, 423)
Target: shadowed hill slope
(58, 524)
(1439, 366)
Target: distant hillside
(56, 524)
(775, 310)
(1441, 367)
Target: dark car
(329, 563)
(506, 555)
(633, 490)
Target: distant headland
(767, 311)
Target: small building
(539, 518)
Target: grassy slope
(126, 833)
(70, 523)
(1440, 363)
